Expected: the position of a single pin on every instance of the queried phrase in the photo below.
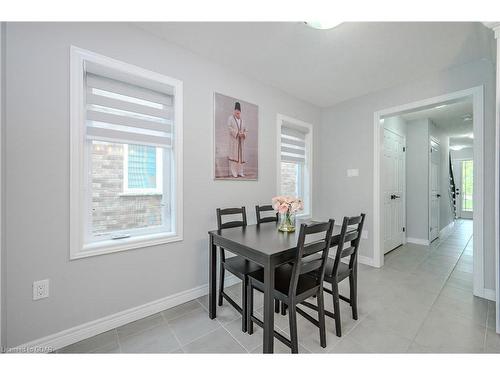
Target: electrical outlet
(364, 234)
(40, 289)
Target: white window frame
(308, 165)
(158, 190)
(79, 246)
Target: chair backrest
(266, 219)
(231, 211)
(349, 241)
(307, 253)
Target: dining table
(265, 245)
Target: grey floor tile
(180, 310)
(104, 340)
(218, 341)
(403, 323)
(347, 345)
(249, 342)
(193, 325)
(492, 341)
(159, 339)
(378, 339)
(280, 348)
(462, 302)
(140, 325)
(443, 332)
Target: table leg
(212, 280)
(268, 308)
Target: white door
(434, 189)
(393, 190)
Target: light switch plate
(40, 289)
(352, 172)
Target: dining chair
(337, 271)
(265, 219)
(297, 281)
(237, 265)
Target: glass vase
(286, 222)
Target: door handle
(394, 196)
(438, 195)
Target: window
(467, 185)
(125, 156)
(295, 160)
(142, 169)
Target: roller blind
(293, 144)
(119, 111)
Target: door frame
(477, 94)
(404, 187)
(429, 188)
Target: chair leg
(283, 308)
(336, 308)
(292, 317)
(276, 306)
(244, 304)
(321, 319)
(249, 308)
(353, 289)
(221, 282)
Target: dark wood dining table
(264, 245)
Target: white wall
(396, 124)
(37, 176)
(353, 120)
(417, 179)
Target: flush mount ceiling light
(467, 117)
(322, 25)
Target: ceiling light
(471, 135)
(440, 106)
(322, 25)
(467, 117)
(457, 147)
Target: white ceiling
(449, 119)
(325, 67)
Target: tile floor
(420, 302)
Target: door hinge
(404, 149)
(404, 229)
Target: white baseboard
(447, 229)
(72, 335)
(366, 260)
(485, 293)
(418, 241)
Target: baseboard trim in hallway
(84, 331)
(417, 241)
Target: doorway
(475, 96)
(464, 172)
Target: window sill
(137, 242)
